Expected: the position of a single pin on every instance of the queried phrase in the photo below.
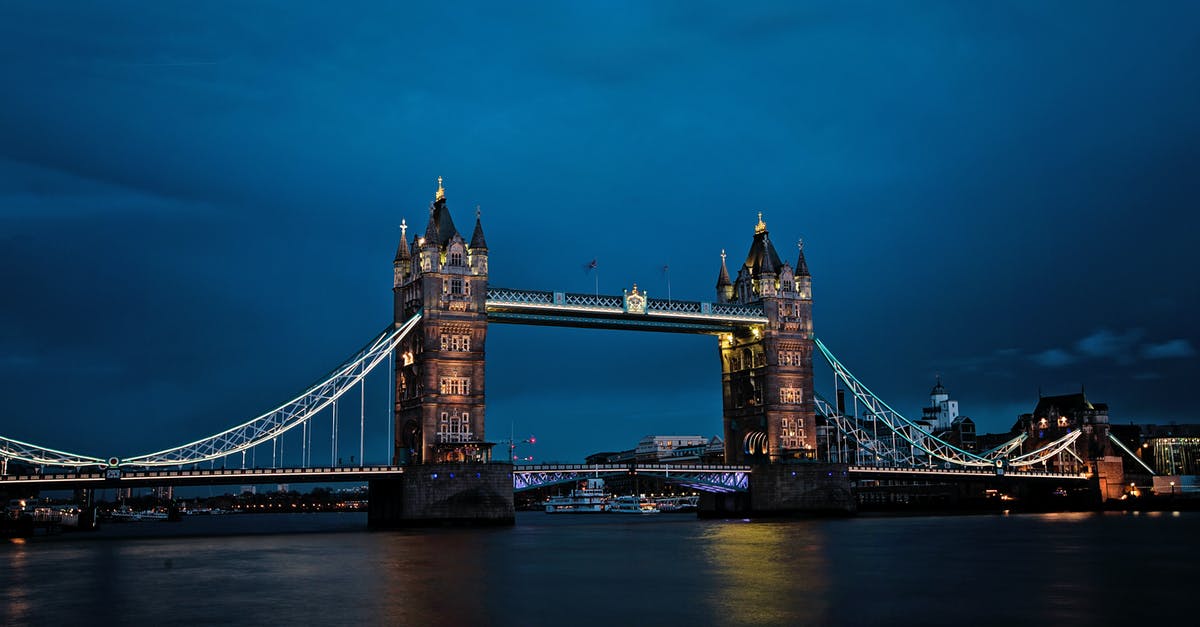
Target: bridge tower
(439, 405)
(767, 371)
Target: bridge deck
(215, 476)
(609, 312)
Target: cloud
(1172, 349)
(1105, 343)
(1054, 358)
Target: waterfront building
(667, 449)
(1171, 449)
(1056, 416)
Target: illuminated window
(456, 258)
(789, 396)
(454, 427)
(455, 385)
(456, 342)
(456, 286)
(791, 433)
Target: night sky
(199, 202)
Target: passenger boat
(632, 505)
(590, 497)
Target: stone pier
(430, 495)
(790, 489)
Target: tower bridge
(761, 318)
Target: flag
(666, 269)
(588, 267)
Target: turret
(724, 285)
(403, 263)
(803, 278)
(478, 247)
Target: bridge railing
(616, 304)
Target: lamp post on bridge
(513, 442)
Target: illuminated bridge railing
(702, 477)
(539, 306)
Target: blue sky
(198, 203)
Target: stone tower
(440, 365)
(767, 371)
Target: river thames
(611, 569)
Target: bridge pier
(797, 489)
(431, 495)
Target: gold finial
(441, 192)
(635, 288)
(403, 229)
(761, 227)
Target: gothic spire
(768, 266)
(801, 264)
(402, 253)
(723, 277)
(477, 241)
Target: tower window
(456, 286)
(789, 396)
(456, 258)
(458, 342)
(454, 427)
(455, 385)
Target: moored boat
(589, 498)
(632, 505)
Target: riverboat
(632, 505)
(589, 498)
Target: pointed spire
(768, 266)
(431, 229)
(477, 241)
(801, 264)
(723, 277)
(402, 253)
(440, 195)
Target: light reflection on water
(614, 570)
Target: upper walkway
(618, 312)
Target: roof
(477, 241)
(762, 250)
(441, 227)
(1063, 404)
(939, 388)
(723, 276)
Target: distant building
(942, 419)
(1055, 417)
(664, 448)
(667, 449)
(942, 410)
(1171, 449)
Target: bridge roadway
(711, 477)
(956, 473)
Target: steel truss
(288, 416)
(705, 478)
(913, 439)
(40, 456)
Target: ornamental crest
(635, 303)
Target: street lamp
(1172, 488)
